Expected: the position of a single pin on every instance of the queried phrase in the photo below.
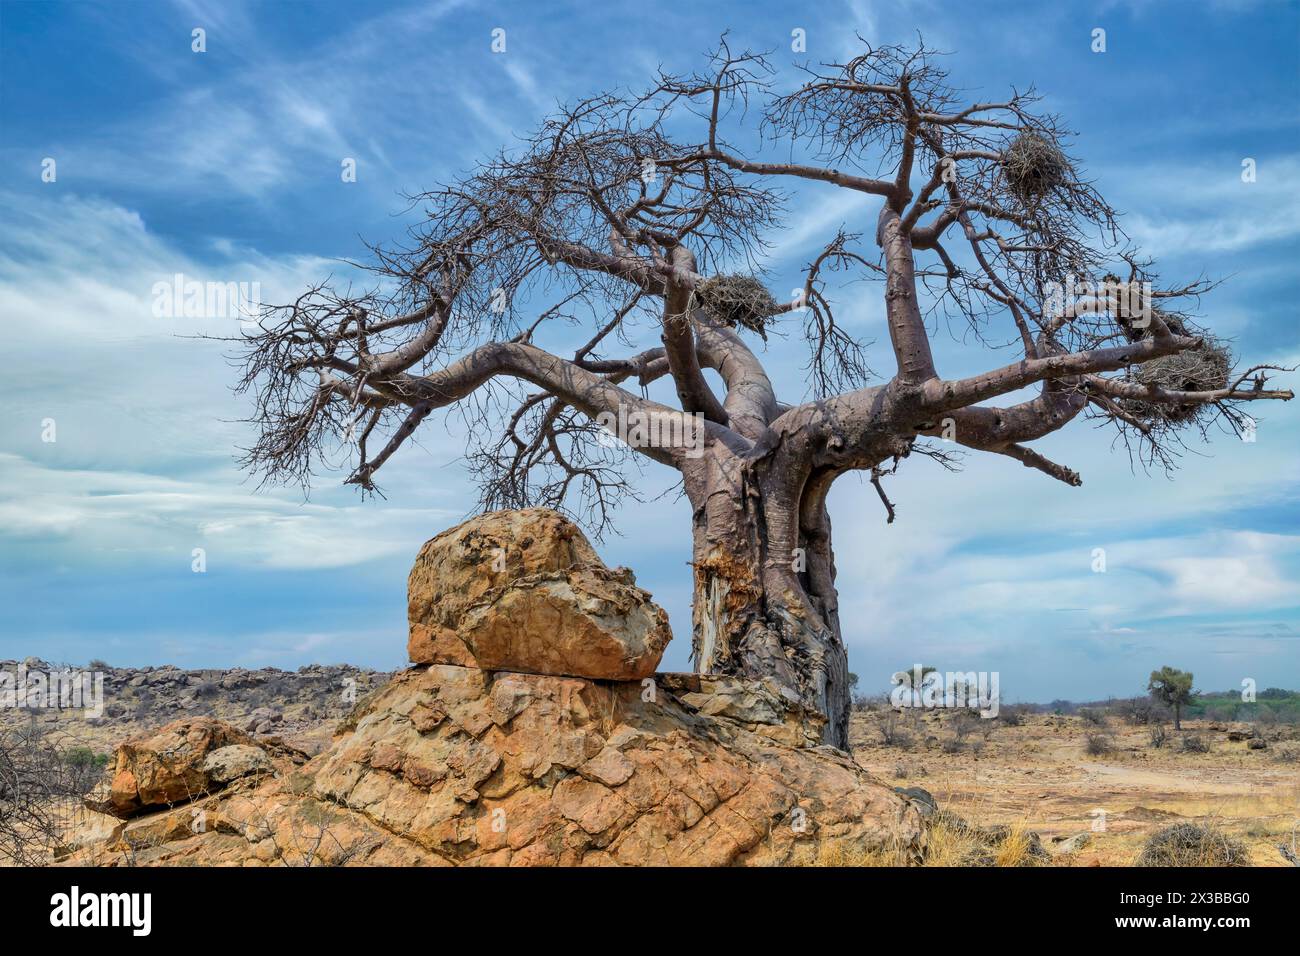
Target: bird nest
(1192, 844)
(1197, 370)
(738, 300)
(1034, 165)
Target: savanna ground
(1059, 784)
(1035, 772)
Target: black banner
(338, 905)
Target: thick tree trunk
(765, 604)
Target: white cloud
(1206, 208)
(99, 514)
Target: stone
(183, 761)
(524, 591)
(1074, 844)
(760, 705)
(922, 798)
(165, 767)
(234, 761)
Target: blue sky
(225, 165)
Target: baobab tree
(643, 219)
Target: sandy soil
(1039, 775)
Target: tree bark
(765, 605)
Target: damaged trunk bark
(764, 604)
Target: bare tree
(635, 216)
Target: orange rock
(524, 591)
(568, 772)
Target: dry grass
(1015, 849)
(837, 854)
(950, 844)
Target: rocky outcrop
(528, 735)
(456, 765)
(524, 591)
(183, 761)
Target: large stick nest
(738, 300)
(1034, 165)
(1197, 370)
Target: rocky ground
(300, 706)
(1095, 809)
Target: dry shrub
(738, 300)
(1092, 717)
(891, 730)
(962, 723)
(1097, 744)
(1192, 844)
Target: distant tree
(1173, 688)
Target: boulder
(922, 798)
(524, 591)
(181, 762)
